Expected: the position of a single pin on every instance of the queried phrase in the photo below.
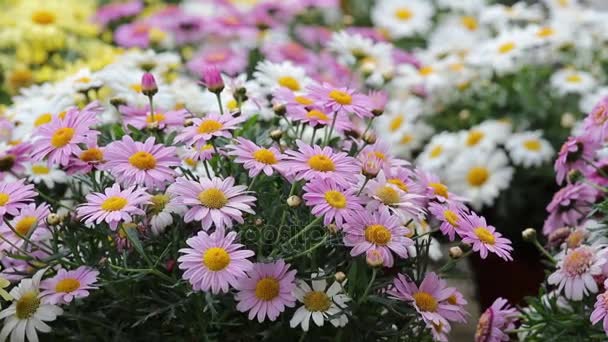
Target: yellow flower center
(398, 183)
(474, 137)
(453, 300)
(113, 203)
(478, 175)
(232, 105)
(377, 234)
(38, 169)
(485, 235)
(136, 87)
(451, 217)
(24, 225)
(575, 239)
(216, 259)
(425, 301)
(395, 123)
(92, 154)
(213, 198)
(436, 151)
(317, 114)
(62, 137)
(265, 156)
(67, 285)
(426, 70)
(341, 97)
(43, 17)
(440, 189)
(321, 163)
(404, 14)
(289, 82)
(574, 78)
(158, 117)
(209, 126)
(316, 301)
(3, 198)
(84, 79)
(303, 100)
(142, 160)
(506, 47)
(335, 199)
(470, 23)
(43, 119)
(27, 305)
(388, 195)
(578, 261)
(406, 139)
(532, 145)
(159, 201)
(544, 32)
(267, 289)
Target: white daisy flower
(27, 314)
(191, 96)
(160, 212)
(350, 47)
(572, 81)
(529, 149)
(35, 112)
(503, 53)
(485, 136)
(403, 18)
(410, 138)
(126, 84)
(320, 304)
(456, 34)
(84, 79)
(480, 176)
(272, 76)
(421, 227)
(466, 6)
(438, 152)
(42, 173)
(398, 114)
(500, 16)
(156, 63)
(589, 100)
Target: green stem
(284, 215)
(321, 243)
(151, 108)
(544, 251)
(369, 125)
(449, 264)
(219, 102)
(331, 129)
(206, 169)
(369, 286)
(301, 232)
(314, 132)
(363, 186)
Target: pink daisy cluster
(496, 322)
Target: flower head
(341, 100)
(30, 224)
(67, 285)
(14, 196)
(484, 237)
(212, 79)
(113, 206)
(257, 159)
(576, 270)
(206, 128)
(332, 201)
(496, 322)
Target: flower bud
(279, 109)
(148, 84)
(340, 277)
(258, 221)
(117, 102)
(529, 234)
(455, 252)
(53, 219)
(568, 120)
(276, 135)
(294, 201)
(188, 123)
(465, 247)
(169, 265)
(369, 138)
(371, 166)
(212, 79)
(558, 236)
(574, 176)
(374, 258)
(332, 228)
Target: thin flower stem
(319, 244)
(206, 169)
(304, 230)
(314, 133)
(252, 181)
(219, 103)
(331, 129)
(363, 186)
(369, 125)
(449, 264)
(369, 286)
(544, 251)
(284, 216)
(150, 98)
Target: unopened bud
(574, 176)
(276, 135)
(568, 120)
(258, 221)
(169, 265)
(464, 114)
(279, 109)
(212, 79)
(340, 277)
(188, 123)
(369, 138)
(332, 228)
(465, 247)
(353, 133)
(374, 258)
(117, 102)
(558, 236)
(455, 252)
(148, 84)
(294, 201)
(53, 219)
(529, 234)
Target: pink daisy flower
(113, 206)
(267, 290)
(484, 237)
(209, 127)
(115, 11)
(568, 206)
(576, 270)
(596, 123)
(204, 152)
(59, 139)
(600, 311)
(255, 158)
(223, 263)
(14, 196)
(229, 60)
(330, 200)
(573, 155)
(496, 322)
(376, 231)
(295, 105)
(13, 159)
(87, 161)
(385, 194)
(142, 118)
(317, 117)
(437, 190)
(67, 285)
(30, 222)
(341, 100)
(137, 163)
(316, 162)
(449, 215)
(430, 299)
(213, 201)
(406, 180)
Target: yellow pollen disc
(289, 83)
(159, 202)
(544, 32)
(506, 47)
(426, 70)
(62, 137)
(216, 259)
(3, 198)
(425, 301)
(92, 154)
(265, 156)
(84, 79)
(335, 199)
(379, 155)
(436, 151)
(532, 145)
(575, 239)
(453, 300)
(158, 117)
(38, 169)
(209, 126)
(388, 195)
(303, 100)
(190, 162)
(316, 301)
(470, 23)
(451, 217)
(404, 14)
(317, 114)
(474, 137)
(43, 17)
(574, 78)
(478, 176)
(67, 285)
(395, 123)
(485, 235)
(27, 305)
(406, 139)
(142, 160)
(232, 105)
(398, 183)
(136, 87)
(43, 119)
(267, 289)
(213, 198)
(377, 234)
(24, 225)
(440, 189)
(341, 97)
(114, 203)
(321, 163)
(578, 261)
